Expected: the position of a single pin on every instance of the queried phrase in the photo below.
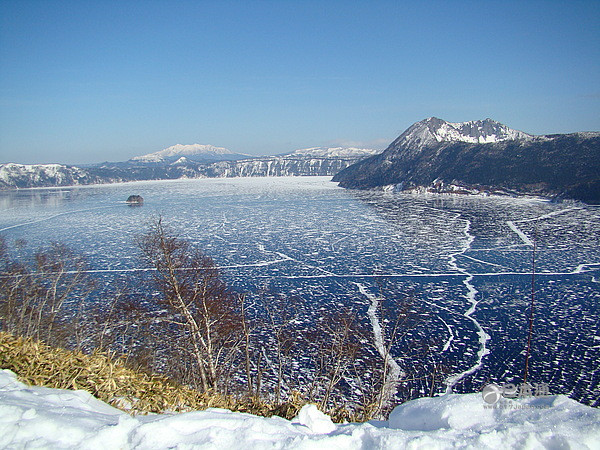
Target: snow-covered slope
(334, 152)
(433, 131)
(195, 152)
(42, 175)
(319, 161)
(35, 417)
(279, 167)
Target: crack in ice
(471, 294)
(53, 217)
(526, 240)
(394, 372)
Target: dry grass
(111, 381)
(135, 392)
(108, 379)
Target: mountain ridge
(14, 175)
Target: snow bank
(35, 417)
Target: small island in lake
(135, 200)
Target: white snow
(315, 420)
(482, 132)
(35, 417)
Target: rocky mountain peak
(433, 131)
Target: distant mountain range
(185, 161)
(432, 155)
(482, 156)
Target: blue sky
(90, 81)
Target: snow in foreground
(35, 417)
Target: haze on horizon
(84, 82)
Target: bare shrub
(337, 342)
(33, 297)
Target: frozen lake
(466, 261)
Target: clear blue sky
(90, 81)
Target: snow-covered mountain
(192, 152)
(433, 131)
(482, 156)
(172, 163)
(182, 154)
(274, 166)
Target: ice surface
(305, 238)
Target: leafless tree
(252, 354)
(202, 309)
